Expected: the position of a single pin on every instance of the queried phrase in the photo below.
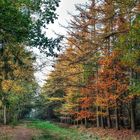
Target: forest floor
(44, 130)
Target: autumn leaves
(99, 69)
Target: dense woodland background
(95, 80)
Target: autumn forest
(94, 81)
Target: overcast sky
(65, 7)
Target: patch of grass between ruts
(55, 132)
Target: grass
(53, 131)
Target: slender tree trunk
(132, 104)
(108, 118)
(4, 115)
(102, 122)
(117, 117)
(85, 122)
(97, 117)
(132, 112)
(122, 114)
(66, 119)
(102, 119)
(74, 122)
(81, 122)
(77, 122)
(70, 120)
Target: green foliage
(130, 54)
(135, 88)
(23, 21)
(48, 102)
(129, 45)
(14, 24)
(88, 71)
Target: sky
(63, 18)
(65, 7)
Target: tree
(16, 75)
(24, 22)
(99, 68)
(130, 58)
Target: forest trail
(23, 133)
(20, 132)
(42, 130)
(45, 130)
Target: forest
(95, 78)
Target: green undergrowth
(51, 131)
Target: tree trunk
(102, 120)
(85, 122)
(74, 122)
(132, 112)
(4, 115)
(108, 118)
(81, 122)
(132, 104)
(97, 117)
(117, 118)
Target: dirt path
(22, 133)
(17, 133)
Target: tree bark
(108, 118)
(117, 118)
(85, 122)
(4, 115)
(97, 117)
(132, 112)
(102, 120)
(132, 104)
